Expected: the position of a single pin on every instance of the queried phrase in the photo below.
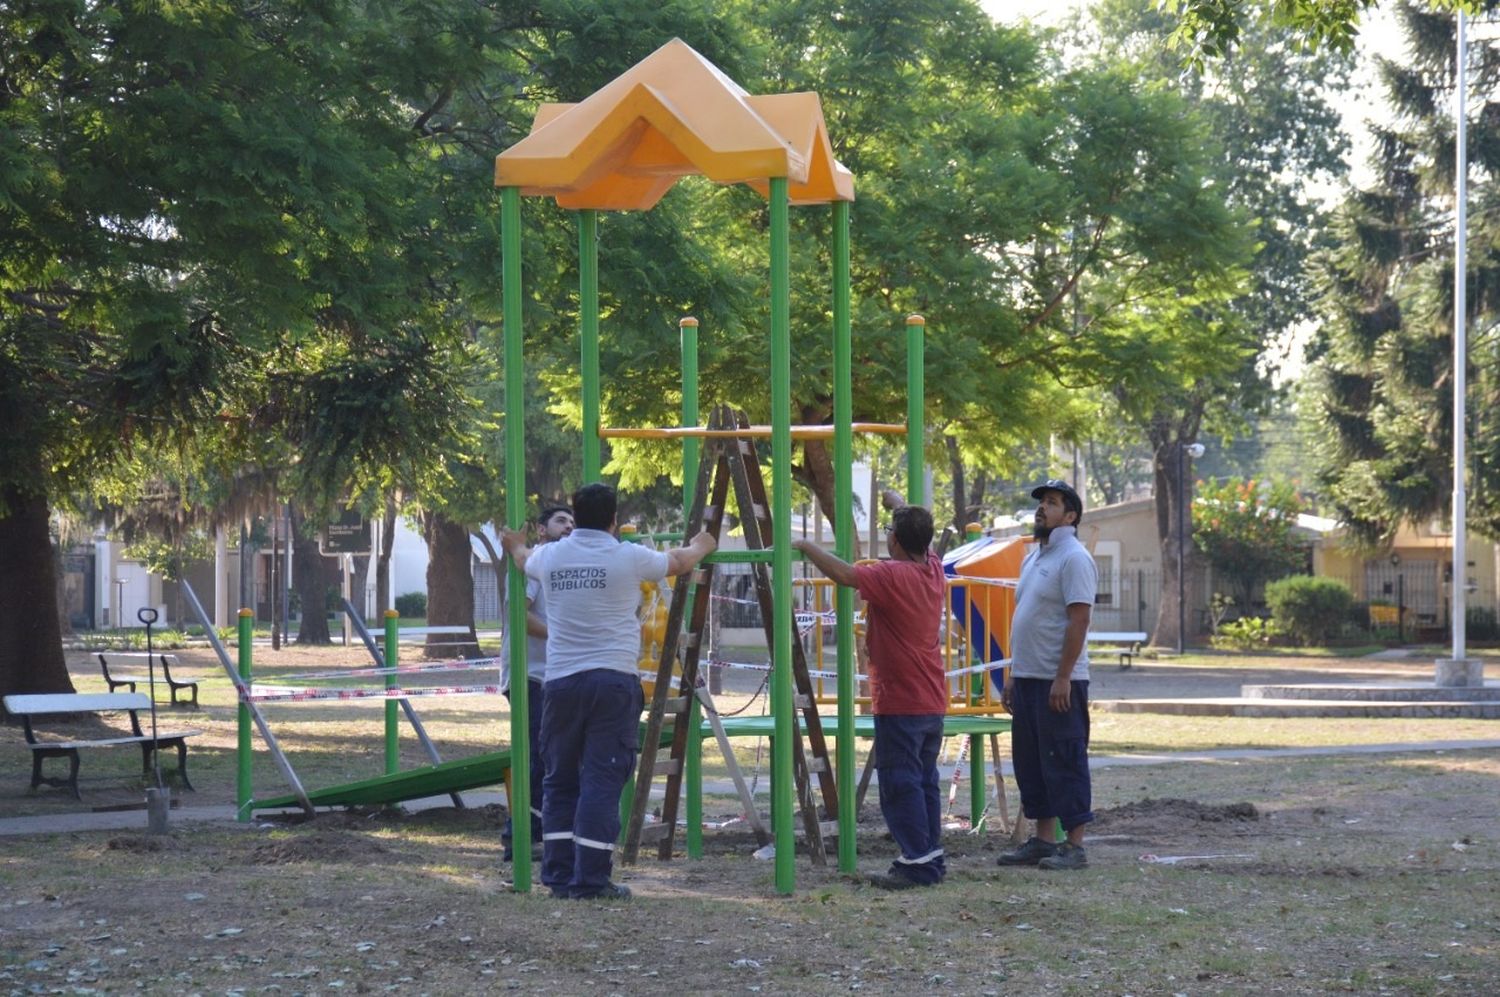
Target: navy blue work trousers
(906, 753)
(1050, 752)
(590, 728)
(536, 700)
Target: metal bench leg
(73, 774)
(182, 764)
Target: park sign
(349, 534)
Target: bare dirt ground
(1360, 874)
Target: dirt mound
(141, 843)
(1175, 810)
(490, 817)
(317, 846)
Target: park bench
(1126, 644)
(110, 662)
(58, 744)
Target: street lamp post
(1186, 450)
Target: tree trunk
(1169, 434)
(960, 487)
(31, 654)
(59, 573)
(310, 577)
(976, 496)
(816, 472)
(450, 585)
(383, 567)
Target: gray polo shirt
(1054, 575)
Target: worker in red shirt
(904, 608)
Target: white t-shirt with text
(591, 586)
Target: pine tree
(1383, 359)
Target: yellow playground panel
(976, 627)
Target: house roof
(674, 114)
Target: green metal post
(781, 530)
(588, 314)
(978, 789)
(843, 529)
(392, 735)
(690, 448)
(515, 518)
(243, 747)
(630, 534)
(915, 404)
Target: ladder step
(665, 763)
(816, 764)
(802, 702)
(676, 704)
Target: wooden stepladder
(726, 460)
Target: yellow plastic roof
(674, 114)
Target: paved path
(135, 820)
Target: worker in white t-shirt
(591, 584)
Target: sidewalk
(135, 820)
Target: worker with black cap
(1046, 686)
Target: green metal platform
(457, 776)
(412, 784)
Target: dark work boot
(1034, 852)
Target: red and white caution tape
(285, 694)
(450, 665)
(985, 667)
(959, 581)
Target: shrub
(1309, 610)
(1245, 634)
(412, 604)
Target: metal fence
(1412, 601)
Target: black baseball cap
(1071, 501)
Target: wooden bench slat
(36, 703)
(1126, 644)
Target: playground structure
(674, 115)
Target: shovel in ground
(158, 801)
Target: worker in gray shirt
(1046, 687)
(554, 523)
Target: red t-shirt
(904, 609)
